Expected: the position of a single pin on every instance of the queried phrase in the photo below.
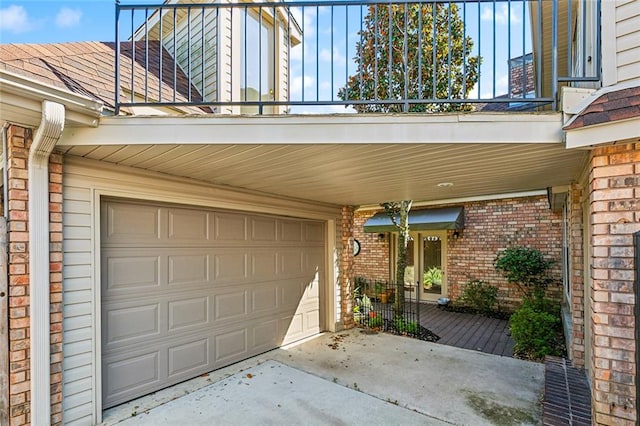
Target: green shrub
(525, 267)
(480, 296)
(535, 332)
(404, 326)
(374, 320)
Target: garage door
(188, 290)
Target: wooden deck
(468, 331)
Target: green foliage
(374, 321)
(480, 296)
(534, 332)
(404, 326)
(396, 49)
(432, 276)
(525, 267)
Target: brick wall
(490, 226)
(346, 276)
(614, 183)
(18, 142)
(576, 262)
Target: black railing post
(116, 91)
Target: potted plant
(431, 277)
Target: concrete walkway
(352, 378)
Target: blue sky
(53, 21)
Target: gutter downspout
(44, 140)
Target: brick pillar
(346, 268)
(576, 259)
(615, 212)
(18, 142)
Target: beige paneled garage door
(187, 290)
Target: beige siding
(78, 348)
(628, 40)
(191, 35)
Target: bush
(535, 332)
(374, 320)
(404, 326)
(525, 267)
(480, 296)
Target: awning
(419, 220)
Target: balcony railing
(354, 56)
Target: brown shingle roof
(88, 68)
(612, 106)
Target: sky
(53, 21)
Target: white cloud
(338, 57)
(501, 15)
(323, 109)
(14, 19)
(298, 83)
(67, 18)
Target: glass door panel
(432, 257)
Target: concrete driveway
(351, 378)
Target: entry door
(430, 255)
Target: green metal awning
(419, 220)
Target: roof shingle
(613, 106)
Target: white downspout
(47, 134)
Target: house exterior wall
(614, 194)
(19, 140)
(576, 276)
(490, 226)
(346, 276)
(627, 21)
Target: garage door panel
(132, 272)
(129, 375)
(231, 345)
(189, 268)
(189, 357)
(200, 290)
(188, 313)
(230, 227)
(290, 231)
(124, 222)
(230, 265)
(230, 306)
(313, 232)
(291, 262)
(265, 298)
(188, 225)
(263, 229)
(127, 323)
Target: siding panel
(628, 41)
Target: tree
(398, 212)
(434, 69)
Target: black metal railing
(375, 307)
(354, 55)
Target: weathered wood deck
(468, 331)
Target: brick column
(18, 142)
(615, 212)
(346, 268)
(576, 259)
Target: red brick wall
(18, 143)
(615, 215)
(490, 226)
(346, 267)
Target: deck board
(468, 331)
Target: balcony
(318, 57)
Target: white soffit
(326, 129)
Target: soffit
(356, 174)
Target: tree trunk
(403, 239)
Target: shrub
(535, 332)
(480, 296)
(525, 267)
(404, 326)
(374, 320)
